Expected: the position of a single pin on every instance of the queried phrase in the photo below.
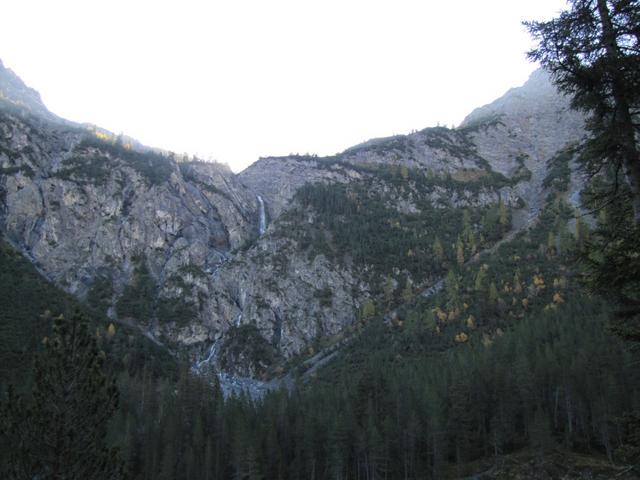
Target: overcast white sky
(235, 80)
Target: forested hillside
(513, 355)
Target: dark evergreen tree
(593, 53)
(58, 430)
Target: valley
(412, 307)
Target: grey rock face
(292, 300)
(525, 128)
(276, 179)
(85, 207)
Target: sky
(236, 80)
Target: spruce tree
(460, 252)
(593, 53)
(58, 429)
(438, 250)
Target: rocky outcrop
(437, 150)
(523, 131)
(277, 179)
(294, 301)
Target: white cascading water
(231, 384)
(262, 225)
(211, 355)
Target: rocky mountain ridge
(88, 209)
(177, 247)
(14, 91)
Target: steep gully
(231, 384)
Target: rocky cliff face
(176, 248)
(277, 179)
(88, 210)
(514, 136)
(525, 129)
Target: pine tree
(389, 290)
(503, 215)
(438, 250)
(540, 436)
(551, 243)
(58, 430)
(407, 291)
(517, 285)
(479, 280)
(368, 310)
(493, 294)
(467, 231)
(452, 286)
(593, 52)
(580, 230)
(460, 252)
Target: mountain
(89, 209)
(408, 308)
(500, 154)
(175, 247)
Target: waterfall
(211, 355)
(262, 225)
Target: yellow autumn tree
(462, 337)
(471, 322)
(111, 331)
(503, 215)
(440, 314)
(538, 283)
(453, 314)
(368, 310)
